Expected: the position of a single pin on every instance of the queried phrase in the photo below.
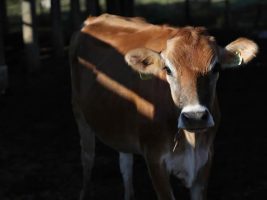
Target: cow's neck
(196, 140)
(189, 157)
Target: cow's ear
(238, 52)
(144, 60)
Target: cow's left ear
(238, 52)
(145, 61)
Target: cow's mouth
(197, 130)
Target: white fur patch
(186, 165)
(194, 108)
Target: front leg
(160, 179)
(198, 191)
(126, 168)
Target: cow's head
(192, 61)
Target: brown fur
(192, 48)
(117, 33)
(138, 116)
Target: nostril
(205, 115)
(186, 116)
(200, 115)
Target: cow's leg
(87, 157)
(198, 191)
(126, 167)
(87, 142)
(160, 179)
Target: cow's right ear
(238, 52)
(144, 61)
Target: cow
(150, 90)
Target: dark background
(39, 142)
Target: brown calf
(171, 117)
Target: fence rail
(30, 27)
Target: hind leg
(126, 168)
(87, 142)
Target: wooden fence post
(3, 67)
(57, 36)
(29, 31)
(260, 8)
(75, 14)
(127, 7)
(188, 18)
(113, 6)
(92, 7)
(3, 15)
(120, 7)
(227, 14)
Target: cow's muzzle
(195, 118)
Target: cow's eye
(168, 70)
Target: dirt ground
(39, 142)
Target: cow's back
(117, 104)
